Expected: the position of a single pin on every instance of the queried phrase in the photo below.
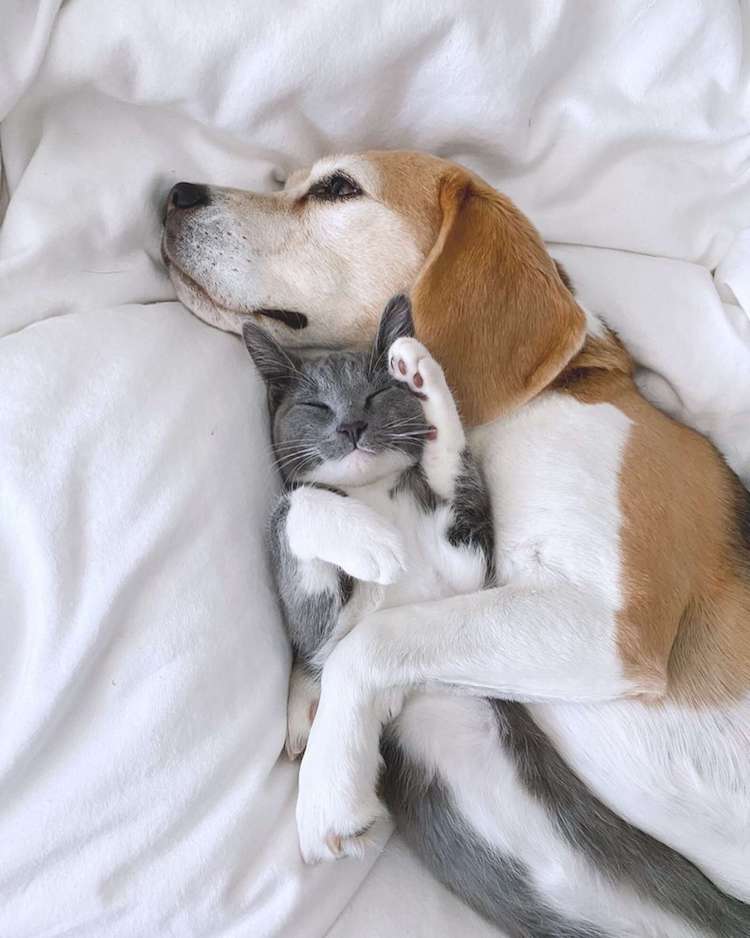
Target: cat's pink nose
(353, 429)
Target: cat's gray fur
(496, 885)
(355, 388)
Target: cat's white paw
(345, 532)
(304, 693)
(411, 363)
(377, 558)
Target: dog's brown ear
(490, 304)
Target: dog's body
(623, 540)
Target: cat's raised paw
(411, 363)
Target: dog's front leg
(554, 643)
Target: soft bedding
(143, 666)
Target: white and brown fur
(622, 611)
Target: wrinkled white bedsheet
(143, 666)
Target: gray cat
(384, 505)
(356, 450)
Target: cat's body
(385, 506)
(419, 505)
(322, 602)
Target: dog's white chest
(553, 471)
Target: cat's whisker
(409, 434)
(296, 458)
(292, 461)
(291, 447)
(404, 424)
(302, 455)
(302, 467)
(293, 441)
(298, 444)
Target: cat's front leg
(325, 525)
(411, 363)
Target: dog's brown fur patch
(601, 370)
(685, 625)
(410, 185)
(565, 277)
(490, 303)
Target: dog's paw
(333, 823)
(338, 810)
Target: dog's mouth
(290, 318)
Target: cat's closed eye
(391, 389)
(316, 405)
(371, 397)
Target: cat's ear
(278, 367)
(395, 323)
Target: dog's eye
(333, 187)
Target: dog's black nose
(354, 430)
(188, 195)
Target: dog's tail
(499, 888)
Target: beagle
(622, 615)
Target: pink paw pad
(416, 380)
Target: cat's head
(340, 418)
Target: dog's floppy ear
(395, 322)
(489, 302)
(278, 368)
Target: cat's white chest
(434, 567)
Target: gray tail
(499, 888)
(496, 886)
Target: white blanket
(143, 666)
